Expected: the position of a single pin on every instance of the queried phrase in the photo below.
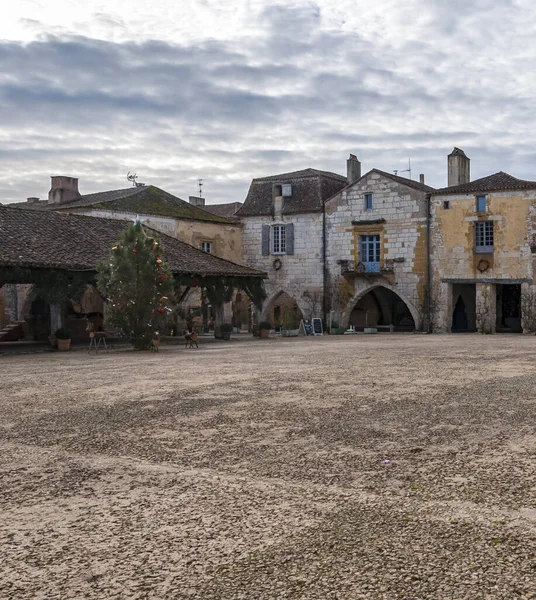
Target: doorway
(463, 308)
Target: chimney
(32, 200)
(353, 169)
(196, 200)
(63, 189)
(458, 168)
(421, 178)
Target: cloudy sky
(228, 90)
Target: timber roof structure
(142, 200)
(48, 239)
(310, 189)
(498, 182)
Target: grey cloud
(296, 95)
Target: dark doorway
(509, 308)
(464, 308)
(382, 308)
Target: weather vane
(200, 182)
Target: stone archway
(282, 307)
(380, 304)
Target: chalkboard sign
(317, 327)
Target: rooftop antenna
(200, 182)
(408, 170)
(133, 178)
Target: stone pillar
(486, 307)
(56, 317)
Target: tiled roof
(48, 239)
(310, 189)
(223, 210)
(497, 182)
(143, 200)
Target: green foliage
(138, 286)
(265, 325)
(226, 328)
(63, 333)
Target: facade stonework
(397, 216)
(482, 276)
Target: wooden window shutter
(265, 240)
(289, 237)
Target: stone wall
(398, 216)
(455, 262)
(300, 273)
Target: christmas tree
(138, 286)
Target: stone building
(209, 231)
(283, 235)
(376, 250)
(482, 244)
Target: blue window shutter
(265, 240)
(289, 237)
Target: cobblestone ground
(253, 470)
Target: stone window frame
(446, 204)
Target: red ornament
(134, 251)
(163, 276)
(160, 310)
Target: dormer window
(277, 190)
(286, 190)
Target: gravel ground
(373, 467)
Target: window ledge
(484, 250)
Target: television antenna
(408, 170)
(132, 177)
(200, 183)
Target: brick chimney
(353, 169)
(32, 200)
(63, 189)
(459, 168)
(196, 200)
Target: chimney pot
(196, 200)
(353, 169)
(421, 178)
(458, 168)
(63, 189)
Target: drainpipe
(428, 292)
(324, 265)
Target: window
(279, 241)
(286, 190)
(206, 247)
(484, 236)
(481, 204)
(370, 253)
(446, 204)
(368, 201)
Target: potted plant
(264, 328)
(226, 330)
(63, 337)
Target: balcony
(348, 268)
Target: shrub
(226, 328)
(265, 325)
(63, 333)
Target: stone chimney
(353, 169)
(458, 168)
(32, 200)
(196, 200)
(421, 178)
(63, 189)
